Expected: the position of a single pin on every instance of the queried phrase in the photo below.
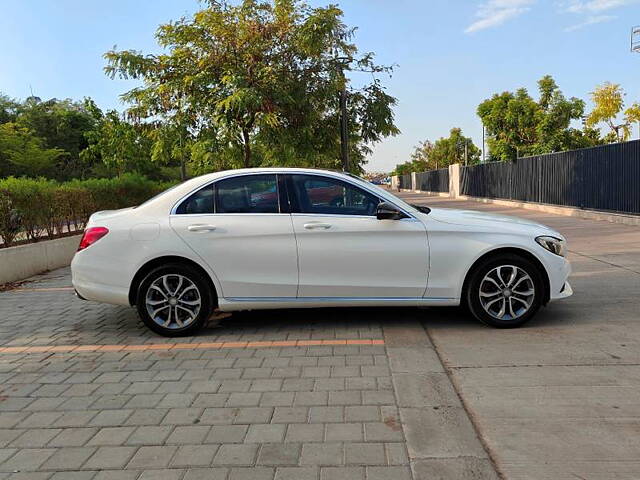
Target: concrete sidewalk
(560, 398)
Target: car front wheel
(174, 300)
(505, 291)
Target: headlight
(553, 244)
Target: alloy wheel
(173, 301)
(507, 292)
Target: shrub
(31, 209)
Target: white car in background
(299, 238)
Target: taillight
(91, 236)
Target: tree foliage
(608, 100)
(517, 125)
(456, 148)
(257, 83)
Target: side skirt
(267, 303)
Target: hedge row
(35, 209)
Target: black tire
(204, 295)
(472, 293)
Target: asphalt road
(560, 398)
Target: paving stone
(8, 435)
(236, 455)
(194, 455)
(326, 414)
(383, 432)
(253, 473)
(266, 385)
(397, 454)
(147, 416)
(345, 398)
(387, 473)
(311, 398)
(298, 384)
(206, 474)
(243, 400)
(290, 415)
(183, 435)
(34, 438)
(343, 473)
(227, 434)
(182, 416)
(74, 475)
(279, 454)
(322, 454)
(249, 415)
(267, 433)
(302, 432)
(117, 475)
(111, 436)
(364, 454)
(344, 432)
(362, 413)
(26, 459)
(107, 418)
(177, 400)
(277, 399)
(28, 476)
(149, 435)
(152, 457)
(68, 458)
(110, 457)
(296, 473)
(210, 400)
(161, 475)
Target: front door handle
(201, 228)
(317, 225)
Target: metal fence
(598, 178)
(404, 182)
(433, 181)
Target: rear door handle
(317, 225)
(201, 228)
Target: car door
(237, 226)
(344, 251)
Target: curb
(441, 439)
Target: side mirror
(388, 211)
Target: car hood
(488, 220)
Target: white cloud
(595, 6)
(493, 13)
(592, 20)
(591, 12)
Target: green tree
(456, 148)
(608, 100)
(632, 115)
(60, 124)
(517, 125)
(261, 78)
(117, 144)
(8, 109)
(25, 153)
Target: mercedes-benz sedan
(300, 238)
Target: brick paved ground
(309, 412)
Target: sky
(449, 55)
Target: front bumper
(565, 292)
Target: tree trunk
(247, 148)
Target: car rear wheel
(505, 291)
(174, 300)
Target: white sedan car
(302, 238)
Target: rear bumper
(88, 282)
